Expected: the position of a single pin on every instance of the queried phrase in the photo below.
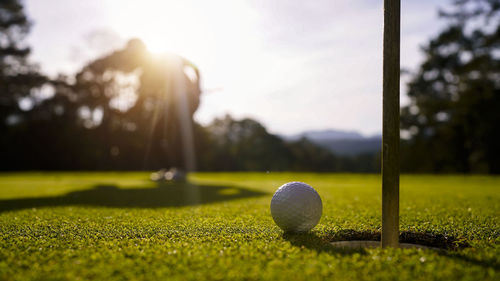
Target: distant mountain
(351, 147)
(345, 143)
(320, 135)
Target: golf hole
(349, 239)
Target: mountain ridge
(340, 142)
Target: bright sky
(293, 65)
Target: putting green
(115, 226)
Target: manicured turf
(115, 226)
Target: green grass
(116, 226)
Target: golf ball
(296, 207)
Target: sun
(156, 45)
(165, 26)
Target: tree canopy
(17, 76)
(452, 121)
(123, 110)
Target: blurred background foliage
(453, 121)
(120, 112)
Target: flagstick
(390, 131)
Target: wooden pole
(390, 130)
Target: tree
(452, 120)
(17, 76)
(18, 81)
(245, 145)
(123, 111)
(14, 26)
(141, 111)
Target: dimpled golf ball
(296, 207)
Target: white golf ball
(296, 207)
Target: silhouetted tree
(17, 76)
(246, 145)
(307, 156)
(452, 119)
(19, 79)
(129, 100)
(125, 111)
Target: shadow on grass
(446, 246)
(312, 241)
(427, 239)
(164, 195)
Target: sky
(293, 65)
